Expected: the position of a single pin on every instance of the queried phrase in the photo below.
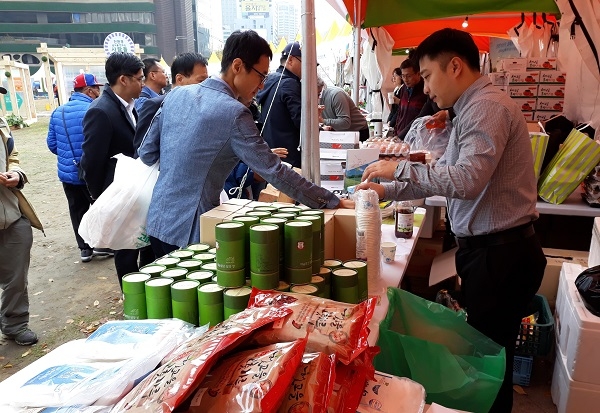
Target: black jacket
(282, 127)
(147, 112)
(107, 130)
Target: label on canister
(298, 240)
(264, 248)
(231, 246)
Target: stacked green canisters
(345, 285)
(280, 222)
(363, 284)
(182, 254)
(264, 256)
(168, 262)
(158, 297)
(202, 276)
(308, 289)
(210, 304)
(298, 239)
(134, 296)
(315, 220)
(269, 208)
(235, 300)
(205, 257)
(197, 248)
(153, 270)
(190, 264)
(175, 273)
(332, 263)
(184, 300)
(321, 214)
(258, 213)
(231, 253)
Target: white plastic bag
(117, 219)
(424, 137)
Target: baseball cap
(85, 79)
(3, 91)
(292, 49)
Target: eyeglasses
(407, 76)
(263, 78)
(139, 79)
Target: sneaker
(25, 337)
(86, 255)
(103, 252)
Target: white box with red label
(550, 104)
(518, 63)
(545, 63)
(552, 76)
(523, 77)
(522, 91)
(526, 105)
(544, 115)
(549, 90)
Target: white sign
(118, 42)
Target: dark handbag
(80, 172)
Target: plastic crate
(536, 339)
(522, 370)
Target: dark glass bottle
(405, 219)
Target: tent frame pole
(356, 62)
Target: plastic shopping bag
(539, 143)
(432, 137)
(117, 219)
(458, 366)
(576, 158)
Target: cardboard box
(208, 220)
(533, 126)
(497, 78)
(552, 76)
(525, 104)
(424, 253)
(555, 259)
(335, 186)
(345, 234)
(544, 115)
(528, 116)
(544, 63)
(522, 91)
(236, 201)
(550, 90)
(523, 77)
(332, 167)
(329, 234)
(514, 64)
(550, 104)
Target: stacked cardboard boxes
(333, 149)
(534, 83)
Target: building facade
(286, 21)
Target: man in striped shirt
(488, 177)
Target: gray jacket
(199, 136)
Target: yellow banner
(255, 6)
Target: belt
(507, 236)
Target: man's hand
(9, 179)
(375, 187)
(281, 152)
(381, 169)
(346, 204)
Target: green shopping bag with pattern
(572, 163)
(539, 143)
(459, 367)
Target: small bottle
(405, 219)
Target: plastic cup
(388, 251)
(391, 98)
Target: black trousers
(126, 261)
(79, 200)
(498, 282)
(161, 248)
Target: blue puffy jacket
(58, 144)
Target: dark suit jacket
(107, 130)
(147, 112)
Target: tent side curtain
(383, 12)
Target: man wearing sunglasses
(108, 129)
(281, 105)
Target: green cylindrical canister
(292, 209)
(320, 283)
(182, 253)
(175, 273)
(213, 250)
(214, 278)
(283, 287)
(231, 248)
(190, 265)
(205, 257)
(264, 248)
(231, 279)
(134, 296)
(210, 304)
(184, 299)
(320, 213)
(209, 266)
(267, 208)
(363, 280)
(289, 216)
(326, 274)
(315, 221)
(248, 222)
(307, 289)
(298, 239)
(202, 276)
(167, 261)
(235, 300)
(332, 264)
(345, 285)
(298, 275)
(258, 213)
(153, 269)
(158, 297)
(280, 222)
(198, 247)
(265, 281)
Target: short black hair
(398, 71)
(121, 64)
(246, 45)
(448, 43)
(410, 64)
(185, 62)
(149, 64)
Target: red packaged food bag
(250, 381)
(350, 382)
(311, 386)
(171, 383)
(333, 327)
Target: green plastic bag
(459, 367)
